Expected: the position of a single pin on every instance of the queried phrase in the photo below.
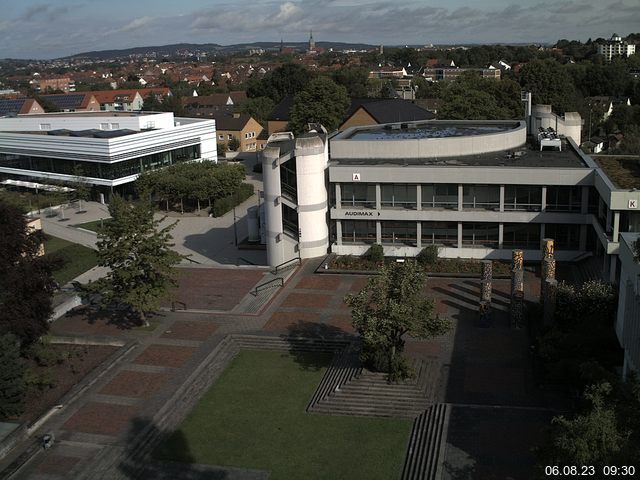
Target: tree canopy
(137, 251)
(12, 385)
(26, 283)
(550, 84)
(322, 101)
(288, 79)
(389, 307)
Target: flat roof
(526, 156)
(88, 114)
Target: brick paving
(190, 330)
(165, 355)
(56, 465)
(215, 288)
(486, 366)
(102, 419)
(135, 384)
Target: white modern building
(628, 317)
(615, 47)
(110, 148)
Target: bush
(233, 144)
(375, 253)
(428, 255)
(225, 204)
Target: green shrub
(375, 253)
(225, 204)
(428, 255)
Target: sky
(44, 30)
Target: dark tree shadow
(122, 319)
(321, 340)
(153, 454)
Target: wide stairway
(347, 389)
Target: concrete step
(425, 450)
(366, 411)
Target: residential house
(64, 84)
(615, 47)
(19, 106)
(119, 100)
(74, 102)
(238, 125)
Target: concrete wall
(85, 121)
(628, 316)
(570, 125)
(342, 146)
(276, 251)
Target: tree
(288, 79)
(322, 101)
(138, 253)
(80, 186)
(12, 386)
(26, 283)
(550, 84)
(590, 438)
(354, 79)
(259, 108)
(233, 144)
(389, 307)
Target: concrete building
(628, 317)
(615, 47)
(110, 148)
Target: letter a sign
(355, 177)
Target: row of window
(520, 235)
(477, 197)
(109, 171)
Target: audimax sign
(360, 213)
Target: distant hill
(169, 50)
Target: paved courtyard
(486, 371)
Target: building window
(358, 231)
(564, 199)
(440, 233)
(443, 195)
(288, 179)
(400, 195)
(521, 235)
(220, 137)
(230, 137)
(358, 195)
(481, 197)
(566, 237)
(399, 233)
(290, 221)
(480, 235)
(524, 198)
(104, 126)
(115, 126)
(45, 126)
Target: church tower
(312, 43)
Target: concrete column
(459, 234)
(378, 232)
(616, 226)
(419, 234)
(543, 198)
(584, 204)
(419, 197)
(500, 235)
(378, 197)
(583, 238)
(501, 202)
(460, 196)
(339, 232)
(273, 206)
(338, 196)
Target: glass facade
(564, 199)
(358, 231)
(399, 233)
(440, 233)
(481, 197)
(108, 171)
(525, 198)
(480, 235)
(440, 195)
(358, 195)
(566, 237)
(290, 221)
(521, 235)
(401, 195)
(288, 181)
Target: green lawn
(93, 226)
(254, 417)
(77, 258)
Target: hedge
(225, 204)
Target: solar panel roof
(11, 106)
